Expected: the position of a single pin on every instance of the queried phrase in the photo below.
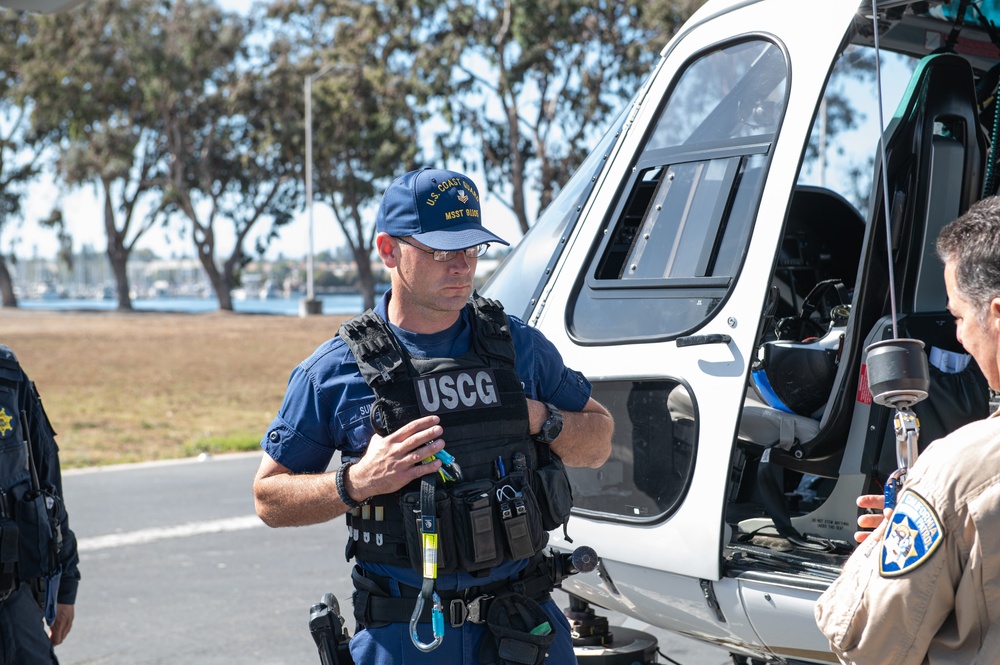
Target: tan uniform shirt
(927, 588)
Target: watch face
(552, 426)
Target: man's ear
(387, 249)
(994, 316)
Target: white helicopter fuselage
(696, 225)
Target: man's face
(436, 286)
(982, 342)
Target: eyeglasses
(443, 255)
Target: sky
(83, 213)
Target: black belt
(374, 607)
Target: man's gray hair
(972, 244)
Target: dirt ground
(147, 385)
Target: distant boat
(47, 291)
(160, 289)
(269, 291)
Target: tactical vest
(29, 539)
(494, 513)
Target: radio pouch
(519, 632)
(555, 497)
(40, 536)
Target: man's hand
(283, 498)
(394, 460)
(871, 520)
(63, 623)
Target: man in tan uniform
(925, 586)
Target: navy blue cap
(437, 207)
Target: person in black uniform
(38, 555)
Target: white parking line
(143, 536)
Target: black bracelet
(341, 490)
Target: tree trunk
(366, 279)
(118, 257)
(219, 283)
(118, 253)
(6, 285)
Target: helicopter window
(679, 231)
(733, 92)
(652, 455)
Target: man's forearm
(585, 440)
(287, 499)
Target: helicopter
(717, 268)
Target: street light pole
(310, 305)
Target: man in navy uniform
(434, 366)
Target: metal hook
(437, 623)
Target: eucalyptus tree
(532, 83)
(98, 104)
(367, 108)
(223, 122)
(21, 147)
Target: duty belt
(373, 607)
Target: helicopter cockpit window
(652, 461)
(677, 236)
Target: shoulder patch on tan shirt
(913, 534)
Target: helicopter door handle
(698, 340)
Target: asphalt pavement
(177, 568)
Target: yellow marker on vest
(430, 543)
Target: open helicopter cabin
(717, 268)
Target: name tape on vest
(461, 390)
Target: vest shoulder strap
(370, 340)
(493, 329)
(10, 369)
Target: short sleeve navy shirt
(327, 402)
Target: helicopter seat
(766, 426)
(760, 424)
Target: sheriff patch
(914, 532)
(5, 426)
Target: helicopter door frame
(711, 358)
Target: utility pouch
(555, 496)
(520, 516)
(40, 537)
(477, 531)
(9, 536)
(519, 632)
(409, 503)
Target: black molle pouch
(519, 632)
(555, 497)
(38, 535)
(9, 537)
(446, 558)
(479, 542)
(520, 517)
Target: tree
(534, 82)
(366, 113)
(98, 104)
(21, 148)
(228, 158)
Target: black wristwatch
(551, 427)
